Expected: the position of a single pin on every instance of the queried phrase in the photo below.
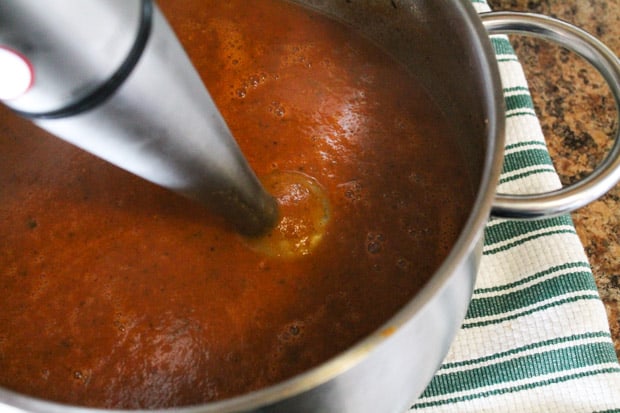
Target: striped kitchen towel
(535, 338)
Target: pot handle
(607, 174)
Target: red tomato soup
(119, 294)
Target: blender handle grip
(131, 96)
(605, 176)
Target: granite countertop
(579, 120)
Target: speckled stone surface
(579, 120)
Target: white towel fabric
(536, 337)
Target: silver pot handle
(607, 174)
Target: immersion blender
(110, 77)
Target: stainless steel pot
(446, 46)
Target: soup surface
(117, 293)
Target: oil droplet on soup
(303, 216)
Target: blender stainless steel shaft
(110, 77)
